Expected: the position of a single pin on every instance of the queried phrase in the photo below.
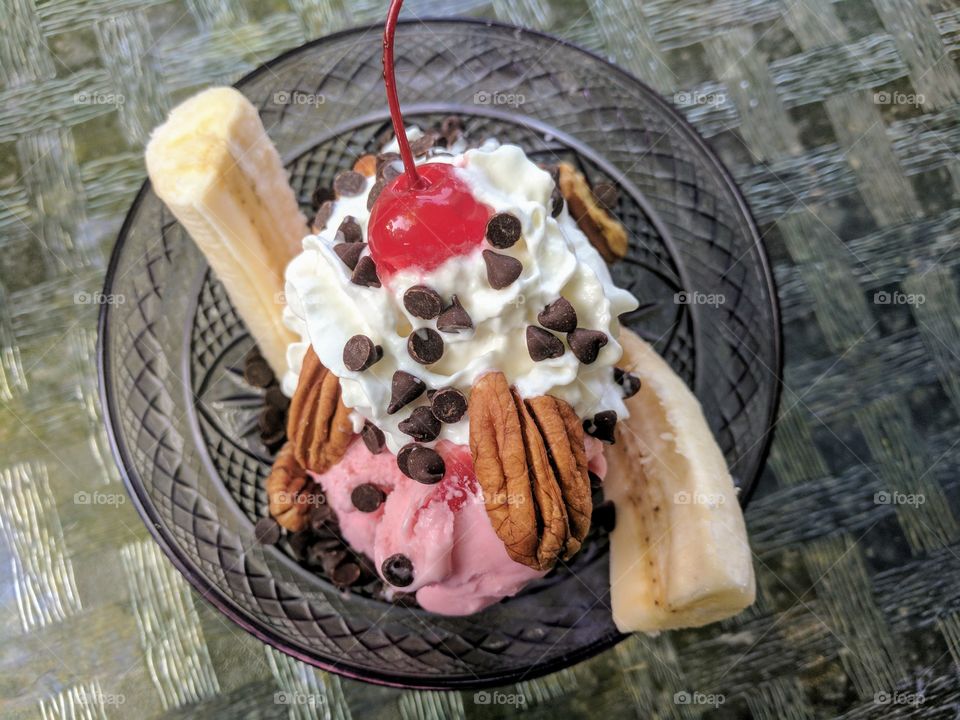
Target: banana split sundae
(460, 387)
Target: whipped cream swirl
(326, 309)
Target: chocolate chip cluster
(503, 231)
(272, 420)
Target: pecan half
(530, 461)
(318, 423)
(603, 231)
(289, 490)
(562, 432)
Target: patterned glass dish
(181, 418)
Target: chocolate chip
(322, 517)
(385, 159)
(271, 420)
(628, 381)
(332, 557)
(328, 541)
(425, 346)
(275, 398)
(391, 170)
(501, 269)
(604, 516)
(299, 542)
(422, 302)
(350, 229)
(422, 144)
(556, 203)
(349, 253)
(586, 344)
(275, 440)
(375, 192)
(407, 600)
(320, 196)
(422, 425)
(601, 426)
(267, 531)
(327, 558)
(373, 438)
(365, 273)
(449, 405)
(403, 458)
(345, 575)
(543, 345)
(322, 217)
(360, 353)
(503, 230)
(368, 571)
(404, 389)
(367, 497)
(349, 183)
(424, 465)
(606, 194)
(454, 318)
(559, 315)
(397, 570)
(258, 373)
(595, 480)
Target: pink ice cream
(460, 566)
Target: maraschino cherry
(425, 217)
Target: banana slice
(213, 165)
(679, 555)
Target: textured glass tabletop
(841, 123)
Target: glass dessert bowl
(184, 395)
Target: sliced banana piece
(679, 555)
(214, 166)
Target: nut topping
(289, 491)
(530, 461)
(318, 423)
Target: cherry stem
(390, 83)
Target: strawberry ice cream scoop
(457, 563)
(449, 553)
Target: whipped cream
(326, 309)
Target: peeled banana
(213, 165)
(679, 555)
